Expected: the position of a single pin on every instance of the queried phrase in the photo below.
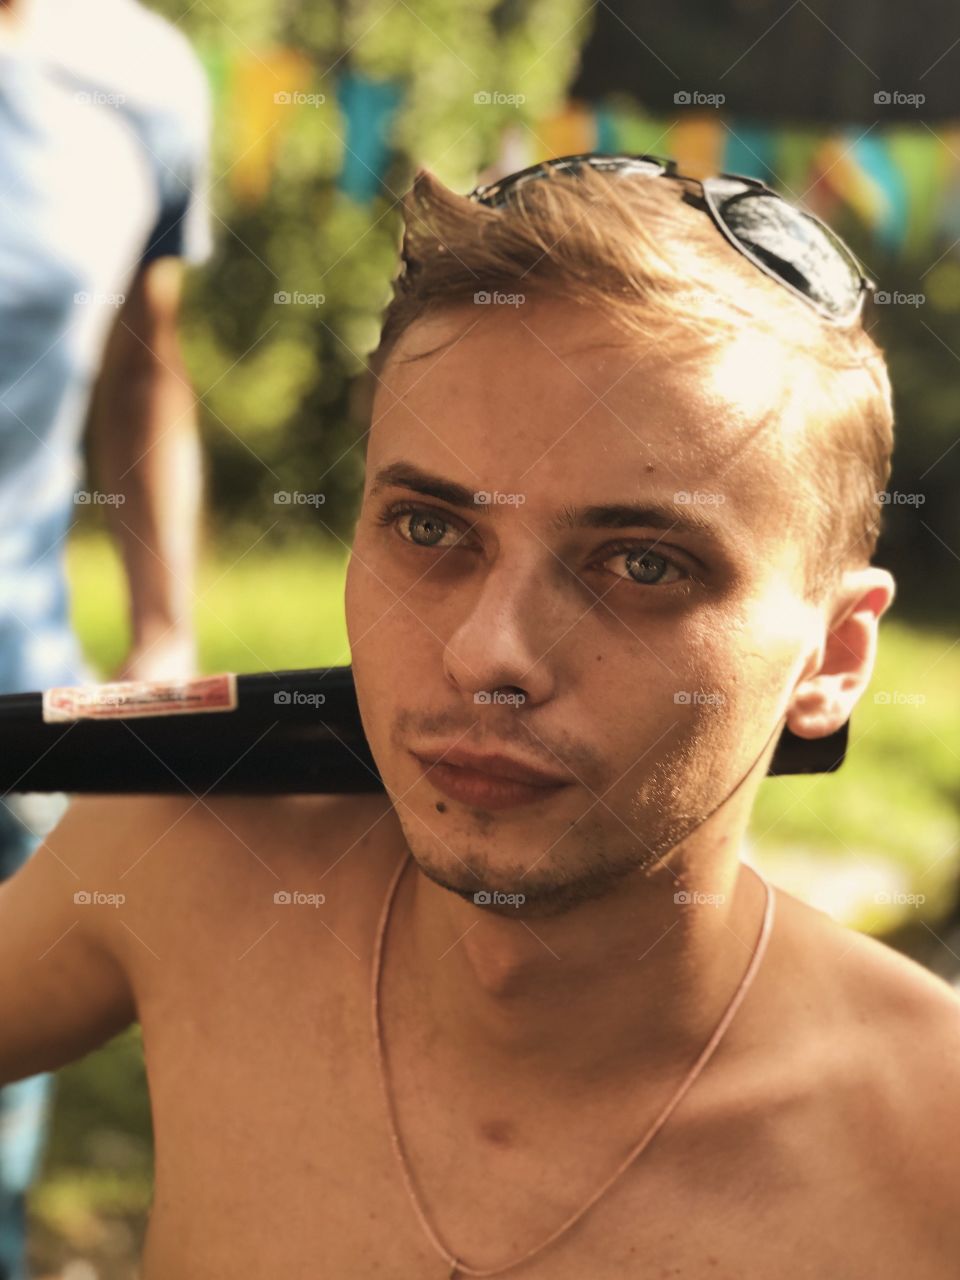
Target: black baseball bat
(264, 732)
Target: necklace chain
(457, 1267)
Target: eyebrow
(615, 515)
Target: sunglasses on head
(791, 246)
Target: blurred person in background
(104, 123)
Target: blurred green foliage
(277, 381)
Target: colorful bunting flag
(901, 181)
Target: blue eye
(645, 560)
(427, 517)
(432, 523)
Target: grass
(256, 610)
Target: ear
(825, 697)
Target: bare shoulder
(99, 837)
(896, 1026)
(150, 867)
(122, 834)
(883, 988)
(896, 1004)
(911, 1031)
(203, 877)
(99, 847)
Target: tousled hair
(642, 254)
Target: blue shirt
(104, 121)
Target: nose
(507, 639)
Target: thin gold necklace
(458, 1266)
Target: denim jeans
(25, 1105)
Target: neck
(634, 982)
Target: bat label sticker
(123, 699)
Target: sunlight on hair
(752, 370)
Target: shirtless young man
(532, 1036)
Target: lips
(494, 765)
(479, 789)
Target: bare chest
(274, 1158)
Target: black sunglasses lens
(800, 250)
(789, 243)
(500, 191)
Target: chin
(509, 893)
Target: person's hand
(172, 656)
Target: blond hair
(635, 250)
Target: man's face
(654, 680)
